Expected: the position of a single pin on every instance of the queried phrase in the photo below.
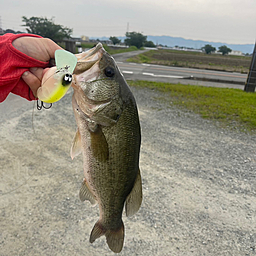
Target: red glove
(13, 64)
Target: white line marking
(148, 74)
(147, 65)
(127, 72)
(119, 62)
(166, 76)
(132, 63)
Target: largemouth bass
(109, 138)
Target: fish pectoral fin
(115, 238)
(134, 199)
(76, 147)
(99, 145)
(86, 194)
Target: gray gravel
(199, 184)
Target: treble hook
(40, 105)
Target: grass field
(109, 49)
(231, 108)
(194, 60)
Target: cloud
(216, 20)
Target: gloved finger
(32, 81)
(50, 47)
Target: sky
(226, 21)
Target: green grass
(110, 50)
(230, 107)
(194, 60)
(114, 51)
(87, 45)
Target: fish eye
(67, 79)
(109, 72)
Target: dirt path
(199, 185)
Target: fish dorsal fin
(76, 147)
(134, 199)
(86, 194)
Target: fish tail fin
(115, 238)
(97, 231)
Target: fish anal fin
(76, 147)
(115, 238)
(134, 199)
(86, 194)
(99, 145)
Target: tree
(10, 31)
(224, 49)
(115, 40)
(149, 44)
(135, 39)
(46, 28)
(208, 49)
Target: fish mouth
(88, 66)
(85, 55)
(87, 59)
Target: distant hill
(196, 44)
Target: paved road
(198, 184)
(134, 71)
(125, 55)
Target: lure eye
(109, 72)
(67, 79)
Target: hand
(42, 49)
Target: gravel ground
(199, 185)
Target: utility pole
(127, 30)
(1, 29)
(251, 79)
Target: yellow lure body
(57, 80)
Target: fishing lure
(57, 80)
